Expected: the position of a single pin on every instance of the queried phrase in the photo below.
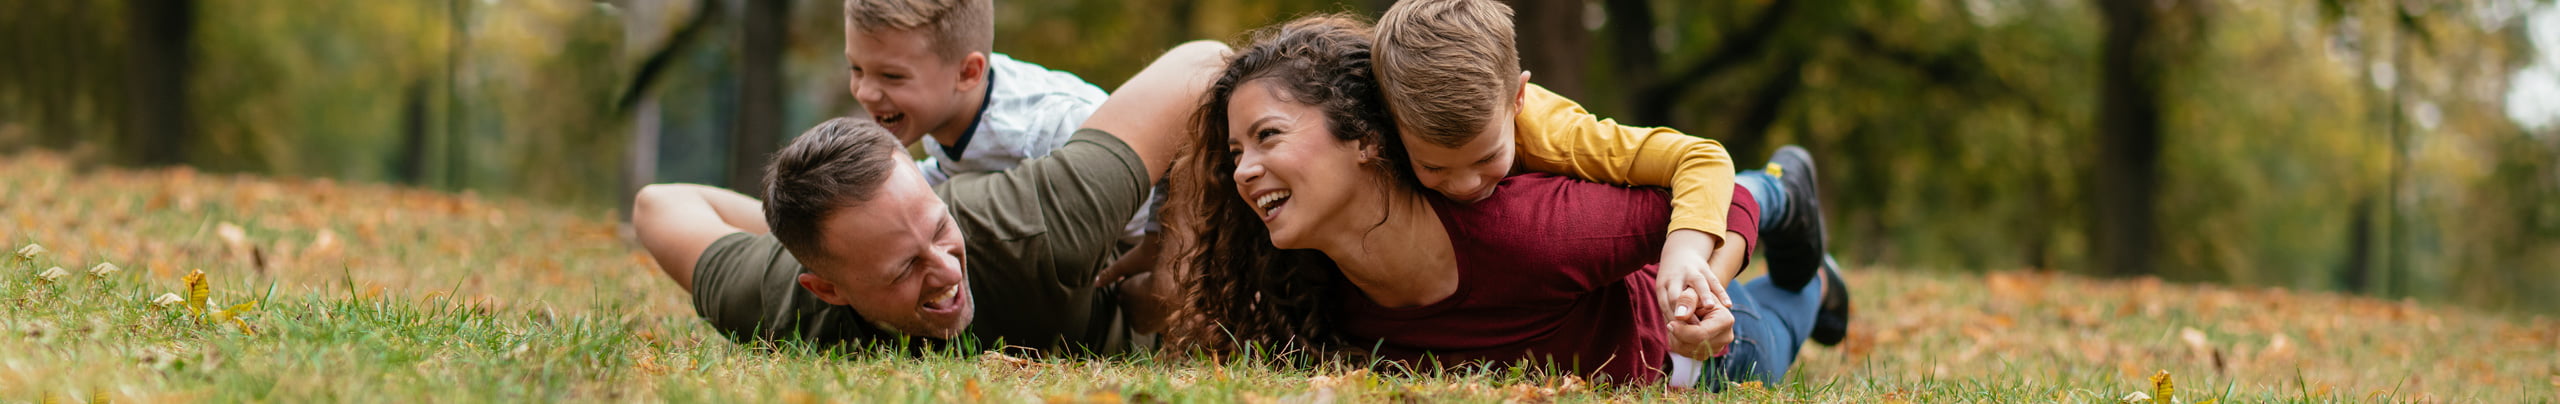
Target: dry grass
(375, 293)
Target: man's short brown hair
(839, 164)
(956, 27)
(1447, 66)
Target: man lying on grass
(887, 256)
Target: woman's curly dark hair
(1242, 292)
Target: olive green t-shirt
(1035, 236)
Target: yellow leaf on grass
(236, 310)
(52, 274)
(2161, 388)
(233, 315)
(30, 251)
(103, 269)
(197, 291)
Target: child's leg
(1765, 191)
(1791, 227)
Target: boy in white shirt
(926, 70)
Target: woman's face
(1289, 166)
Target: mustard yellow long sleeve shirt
(1556, 135)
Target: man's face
(897, 259)
(1466, 173)
(907, 87)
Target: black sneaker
(1831, 323)
(1795, 242)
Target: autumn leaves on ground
(378, 293)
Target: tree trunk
(759, 124)
(2357, 276)
(1657, 90)
(2126, 175)
(160, 59)
(1552, 43)
(1639, 64)
(411, 168)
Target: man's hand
(1704, 334)
(1684, 268)
(1140, 260)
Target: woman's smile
(1268, 203)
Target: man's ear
(1520, 92)
(973, 71)
(825, 290)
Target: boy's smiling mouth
(890, 120)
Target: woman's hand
(1703, 333)
(1684, 268)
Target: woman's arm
(1146, 298)
(1728, 260)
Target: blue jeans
(1770, 323)
(1765, 191)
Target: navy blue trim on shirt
(957, 146)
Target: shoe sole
(1801, 182)
(1831, 323)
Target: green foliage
(1960, 135)
(505, 94)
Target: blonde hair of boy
(1447, 66)
(956, 27)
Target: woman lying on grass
(1301, 230)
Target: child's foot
(1831, 322)
(1795, 247)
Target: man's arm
(675, 222)
(1152, 111)
(1080, 197)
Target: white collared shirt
(1030, 110)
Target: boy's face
(909, 88)
(1467, 173)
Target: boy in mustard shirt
(1449, 68)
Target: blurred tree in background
(2395, 148)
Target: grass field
(375, 293)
